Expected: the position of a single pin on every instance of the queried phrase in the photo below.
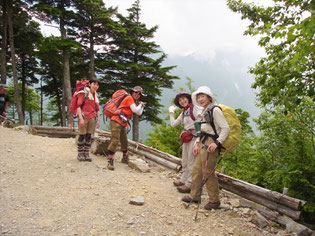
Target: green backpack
(233, 139)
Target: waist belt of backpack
(205, 135)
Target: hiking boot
(125, 159)
(188, 199)
(88, 158)
(177, 183)
(81, 157)
(110, 164)
(183, 189)
(212, 205)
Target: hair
(94, 80)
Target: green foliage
(241, 163)
(136, 59)
(283, 154)
(32, 103)
(287, 31)
(165, 138)
(288, 144)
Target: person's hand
(172, 109)
(4, 114)
(143, 104)
(81, 122)
(97, 123)
(212, 147)
(195, 149)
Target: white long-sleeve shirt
(137, 109)
(187, 121)
(220, 123)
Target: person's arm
(137, 109)
(222, 123)
(98, 116)
(220, 120)
(176, 122)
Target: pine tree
(135, 59)
(93, 27)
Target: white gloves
(171, 109)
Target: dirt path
(44, 190)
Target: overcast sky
(197, 28)
(193, 27)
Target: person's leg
(212, 184)
(82, 133)
(124, 145)
(184, 188)
(197, 173)
(115, 128)
(87, 144)
(189, 163)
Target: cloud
(196, 28)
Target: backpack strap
(85, 97)
(191, 112)
(212, 120)
(213, 126)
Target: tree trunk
(135, 128)
(31, 117)
(14, 69)
(23, 85)
(4, 42)
(91, 55)
(41, 101)
(58, 99)
(66, 85)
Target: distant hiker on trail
(87, 110)
(4, 100)
(207, 148)
(188, 136)
(118, 123)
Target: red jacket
(90, 106)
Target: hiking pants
(89, 126)
(199, 169)
(187, 162)
(118, 133)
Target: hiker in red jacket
(118, 124)
(87, 110)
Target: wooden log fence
(161, 158)
(274, 201)
(51, 131)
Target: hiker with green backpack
(214, 129)
(187, 137)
